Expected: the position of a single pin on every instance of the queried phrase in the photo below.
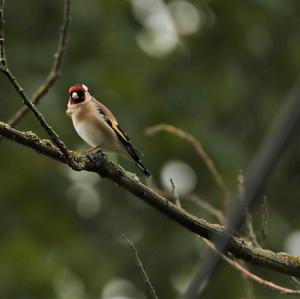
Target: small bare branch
(248, 286)
(219, 215)
(151, 184)
(55, 71)
(296, 281)
(53, 135)
(142, 269)
(252, 276)
(175, 194)
(2, 45)
(259, 171)
(59, 55)
(199, 150)
(19, 89)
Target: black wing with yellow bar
(131, 149)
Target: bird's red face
(77, 94)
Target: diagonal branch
(235, 264)
(259, 171)
(2, 49)
(6, 71)
(55, 71)
(199, 150)
(98, 163)
(250, 275)
(239, 247)
(53, 135)
(142, 269)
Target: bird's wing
(122, 135)
(113, 123)
(124, 138)
(103, 110)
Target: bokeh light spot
(67, 285)
(292, 243)
(182, 174)
(120, 289)
(187, 18)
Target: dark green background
(224, 84)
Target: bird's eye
(77, 96)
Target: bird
(98, 127)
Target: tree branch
(5, 70)
(53, 135)
(239, 247)
(175, 194)
(258, 172)
(142, 269)
(2, 48)
(55, 71)
(199, 150)
(250, 275)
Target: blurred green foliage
(61, 232)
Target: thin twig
(59, 55)
(250, 275)
(2, 48)
(200, 151)
(142, 269)
(248, 285)
(55, 72)
(295, 280)
(151, 184)
(219, 215)
(175, 194)
(53, 135)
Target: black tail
(143, 168)
(134, 153)
(131, 149)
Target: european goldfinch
(98, 127)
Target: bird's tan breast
(94, 130)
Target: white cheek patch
(75, 96)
